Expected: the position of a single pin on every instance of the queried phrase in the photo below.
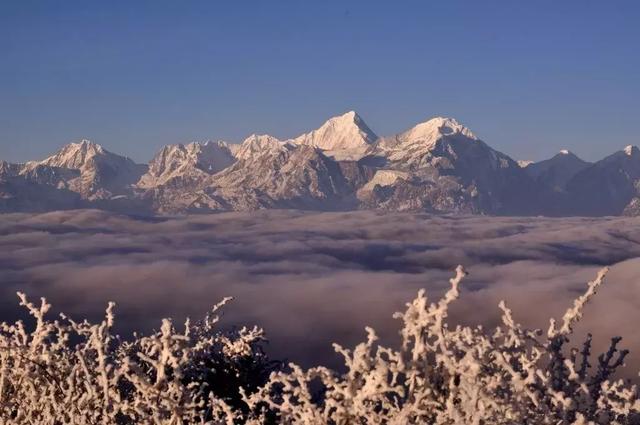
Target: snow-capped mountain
(197, 192)
(82, 174)
(558, 170)
(344, 137)
(76, 156)
(36, 187)
(257, 145)
(295, 176)
(437, 166)
(422, 137)
(100, 174)
(440, 165)
(610, 186)
(186, 164)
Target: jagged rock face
(291, 177)
(356, 173)
(269, 174)
(556, 172)
(257, 145)
(196, 192)
(49, 175)
(298, 173)
(607, 187)
(101, 174)
(186, 165)
(172, 200)
(75, 156)
(446, 168)
(446, 195)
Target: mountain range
(437, 166)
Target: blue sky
(530, 78)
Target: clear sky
(530, 78)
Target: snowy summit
(346, 136)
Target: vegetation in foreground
(67, 372)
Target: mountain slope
(192, 190)
(441, 166)
(257, 145)
(293, 176)
(558, 170)
(186, 164)
(18, 194)
(100, 173)
(608, 186)
(34, 187)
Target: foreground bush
(65, 372)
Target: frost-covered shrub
(460, 375)
(65, 372)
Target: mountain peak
(347, 118)
(345, 135)
(631, 150)
(353, 115)
(566, 155)
(85, 145)
(427, 133)
(524, 163)
(75, 155)
(197, 148)
(195, 161)
(262, 140)
(444, 126)
(257, 144)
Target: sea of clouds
(314, 278)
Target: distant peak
(257, 144)
(85, 147)
(631, 150)
(350, 115)
(449, 125)
(434, 128)
(443, 120)
(566, 156)
(566, 153)
(86, 144)
(76, 155)
(348, 118)
(523, 163)
(260, 138)
(343, 133)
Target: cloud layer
(313, 278)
